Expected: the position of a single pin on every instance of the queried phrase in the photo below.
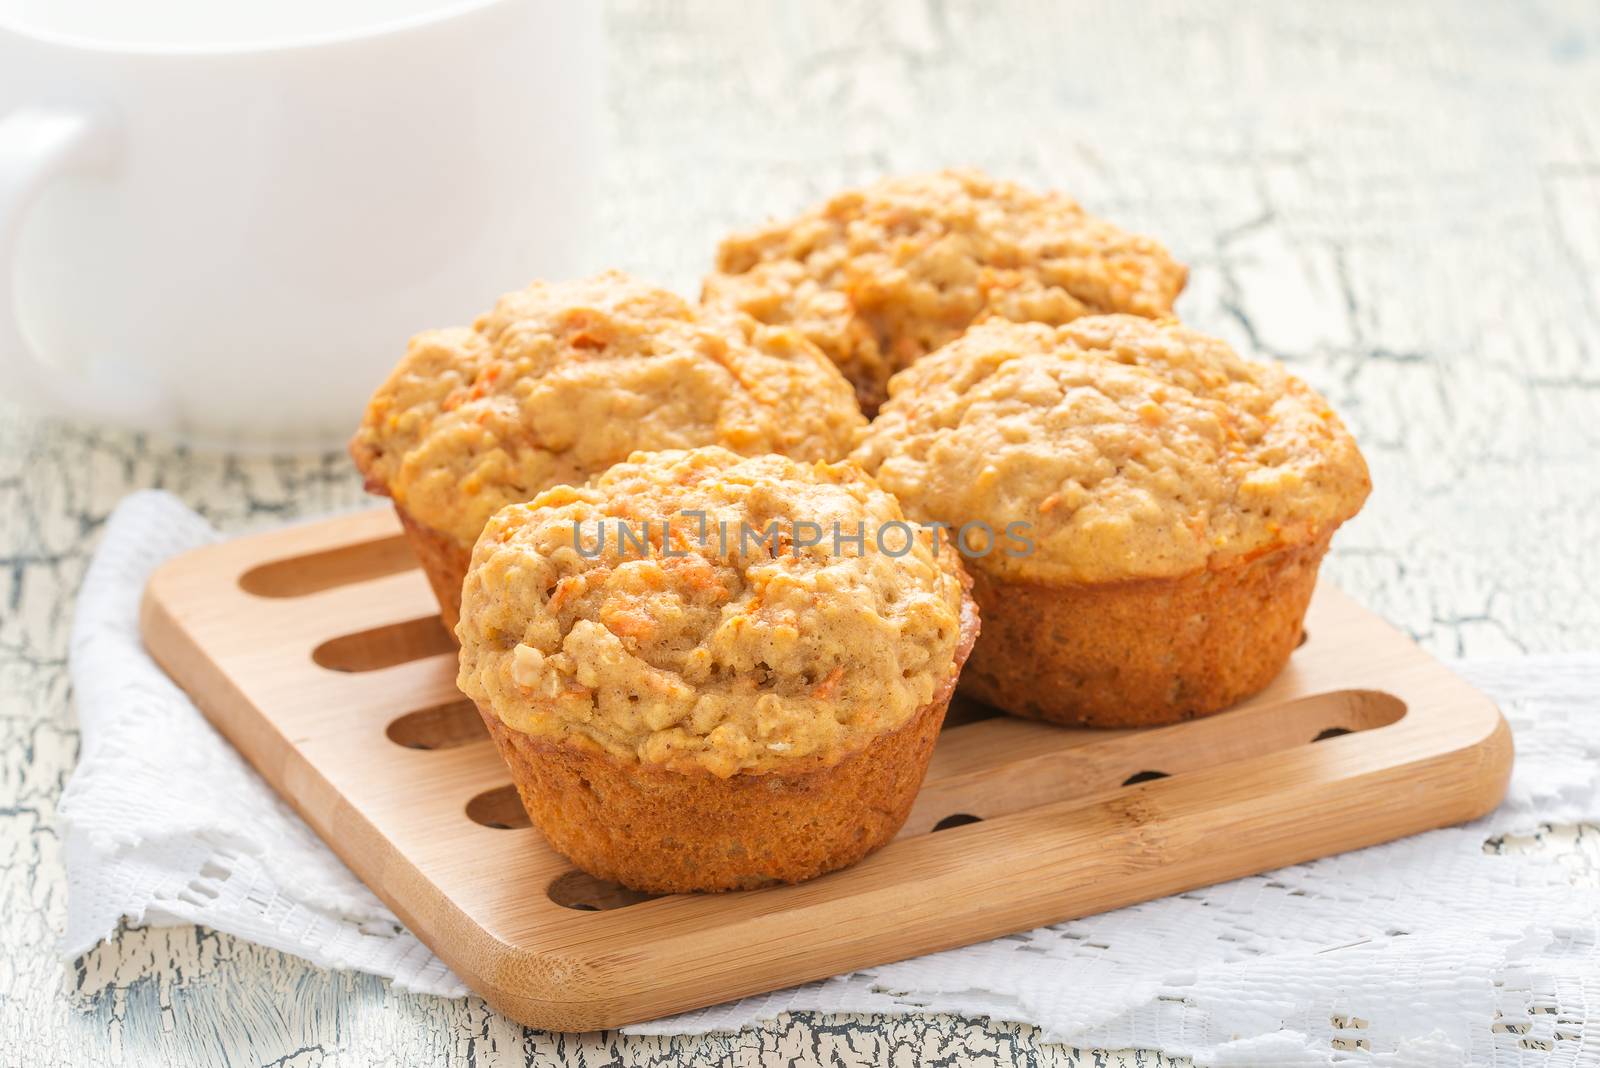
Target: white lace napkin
(1436, 950)
(164, 822)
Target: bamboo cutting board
(317, 651)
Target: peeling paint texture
(1401, 201)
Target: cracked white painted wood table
(1403, 203)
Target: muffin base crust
(1143, 652)
(443, 561)
(666, 832)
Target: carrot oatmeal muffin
(687, 706)
(880, 276)
(562, 380)
(1150, 510)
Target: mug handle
(38, 144)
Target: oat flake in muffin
(879, 276)
(729, 657)
(562, 380)
(1130, 449)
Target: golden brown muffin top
(1125, 448)
(695, 650)
(562, 380)
(879, 276)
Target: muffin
(691, 697)
(880, 276)
(559, 382)
(1144, 511)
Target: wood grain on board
(323, 660)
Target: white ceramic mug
(223, 219)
